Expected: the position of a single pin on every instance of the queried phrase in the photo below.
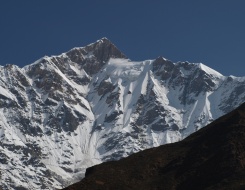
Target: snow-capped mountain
(65, 113)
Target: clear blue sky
(210, 31)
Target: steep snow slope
(211, 158)
(65, 113)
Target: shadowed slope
(212, 158)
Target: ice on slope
(209, 70)
(6, 93)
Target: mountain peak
(208, 70)
(102, 42)
(104, 39)
(94, 56)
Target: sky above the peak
(210, 31)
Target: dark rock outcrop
(94, 56)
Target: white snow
(209, 70)
(6, 93)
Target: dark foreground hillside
(212, 158)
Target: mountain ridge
(89, 105)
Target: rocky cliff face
(65, 113)
(211, 158)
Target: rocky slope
(65, 113)
(211, 158)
